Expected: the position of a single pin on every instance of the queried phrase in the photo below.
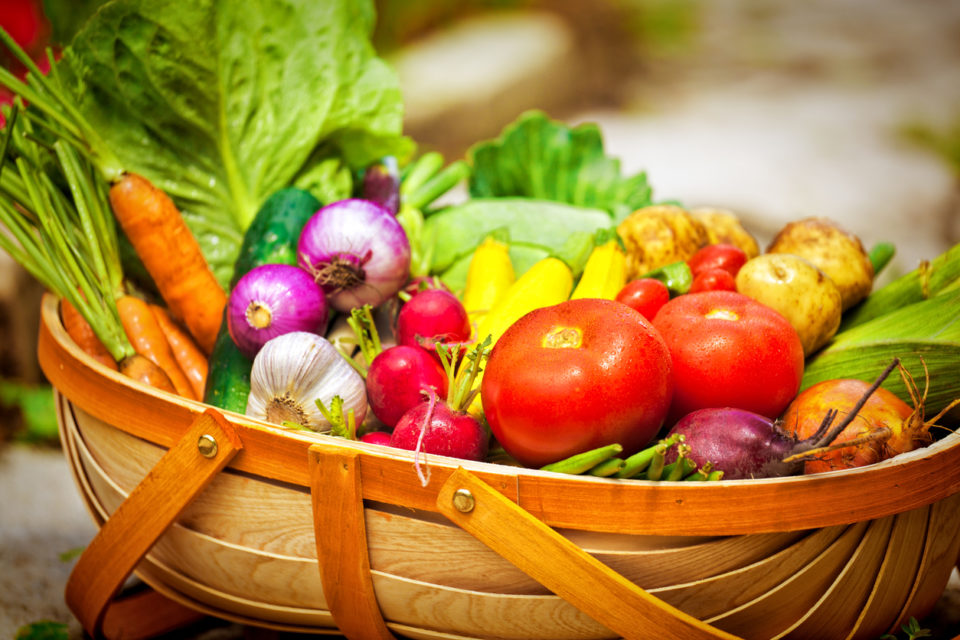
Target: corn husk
(930, 279)
(927, 330)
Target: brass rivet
(207, 445)
(463, 500)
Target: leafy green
(222, 103)
(537, 157)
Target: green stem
(439, 184)
(638, 462)
(583, 462)
(606, 468)
(422, 169)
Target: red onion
(356, 251)
(271, 300)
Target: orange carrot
(142, 369)
(171, 255)
(82, 333)
(191, 359)
(147, 338)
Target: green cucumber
(271, 238)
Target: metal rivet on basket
(207, 445)
(463, 500)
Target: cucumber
(271, 238)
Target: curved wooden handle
(154, 504)
(569, 571)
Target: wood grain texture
(906, 482)
(571, 573)
(341, 538)
(777, 609)
(149, 510)
(900, 566)
(838, 608)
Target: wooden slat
(151, 508)
(342, 546)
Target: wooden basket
(232, 517)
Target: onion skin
(882, 409)
(272, 300)
(357, 252)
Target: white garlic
(292, 371)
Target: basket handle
(341, 536)
(125, 538)
(571, 573)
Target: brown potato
(723, 226)
(659, 235)
(800, 291)
(838, 253)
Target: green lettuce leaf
(222, 103)
(537, 157)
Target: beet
(744, 444)
(740, 443)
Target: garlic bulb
(292, 371)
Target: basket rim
(727, 507)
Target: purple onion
(271, 300)
(356, 251)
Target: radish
(443, 427)
(743, 444)
(399, 378)
(431, 317)
(376, 437)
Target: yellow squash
(489, 277)
(605, 273)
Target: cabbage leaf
(222, 103)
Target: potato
(838, 253)
(723, 226)
(801, 292)
(659, 235)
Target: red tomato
(575, 376)
(718, 256)
(713, 280)
(729, 350)
(645, 295)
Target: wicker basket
(238, 530)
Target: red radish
(443, 427)
(450, 433)
(744, 444)
(431, 317)
(376, 437)
(400, 377)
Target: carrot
(171, 255)
(147, 338)
(188, 355)
(82, 333)
(140, 368)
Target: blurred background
(777, 110)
